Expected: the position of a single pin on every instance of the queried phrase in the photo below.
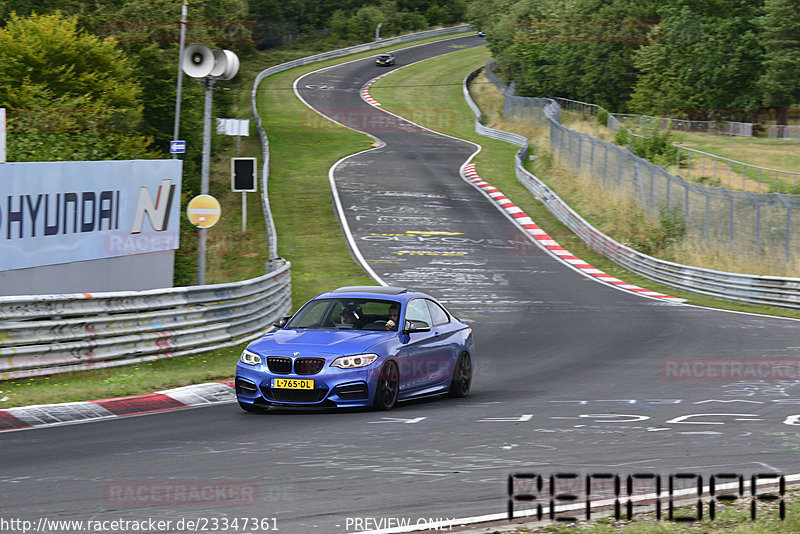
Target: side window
(438, 315)
(417, 310)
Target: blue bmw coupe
(358, 346)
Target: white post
(205, 166)
(179, 91)
(244, 211)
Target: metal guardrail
(307, 61)
(762, 290)
(48, 334)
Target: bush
(622, 136)
(656, 149)
(672, 223)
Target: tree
(780, 80)
(703, 61)
(70, 94)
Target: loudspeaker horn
(232, 67)
(220, 62)
(198, 61)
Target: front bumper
(332, 387)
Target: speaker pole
(204, 177)
(178, 97)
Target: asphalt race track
(573, 376)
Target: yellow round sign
(203, 211)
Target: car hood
(341, 342)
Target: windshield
(348, 314)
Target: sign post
(243, 178)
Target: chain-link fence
(645, 122)
(750, 225)
(784, 132)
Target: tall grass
(616, 214)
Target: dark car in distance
(384, 60)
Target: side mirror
(416, 326)
(280, 323)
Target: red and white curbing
(365, 90)
(541, 237)
(27, 417)
(549, 244)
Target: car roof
(385, 55)
(401, 294)
(384, 290)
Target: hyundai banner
(65, 211)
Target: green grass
(407, 92)
(303, 146)
(768, 153)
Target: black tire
(462, 377)
(388, 387)
(252, 408)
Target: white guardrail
(763, 290)
(48, 334)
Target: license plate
(292, 383)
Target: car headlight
(250, 358)
(352, 362)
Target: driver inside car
(394, 317)
(348, 319)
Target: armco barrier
(48, 334)
(763, 290)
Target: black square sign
(243, 174)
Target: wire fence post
(708, 218)
(686, 200)
(744, 176)
(652, 185)
(787, 243)
(730, 219)
(758, 221)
